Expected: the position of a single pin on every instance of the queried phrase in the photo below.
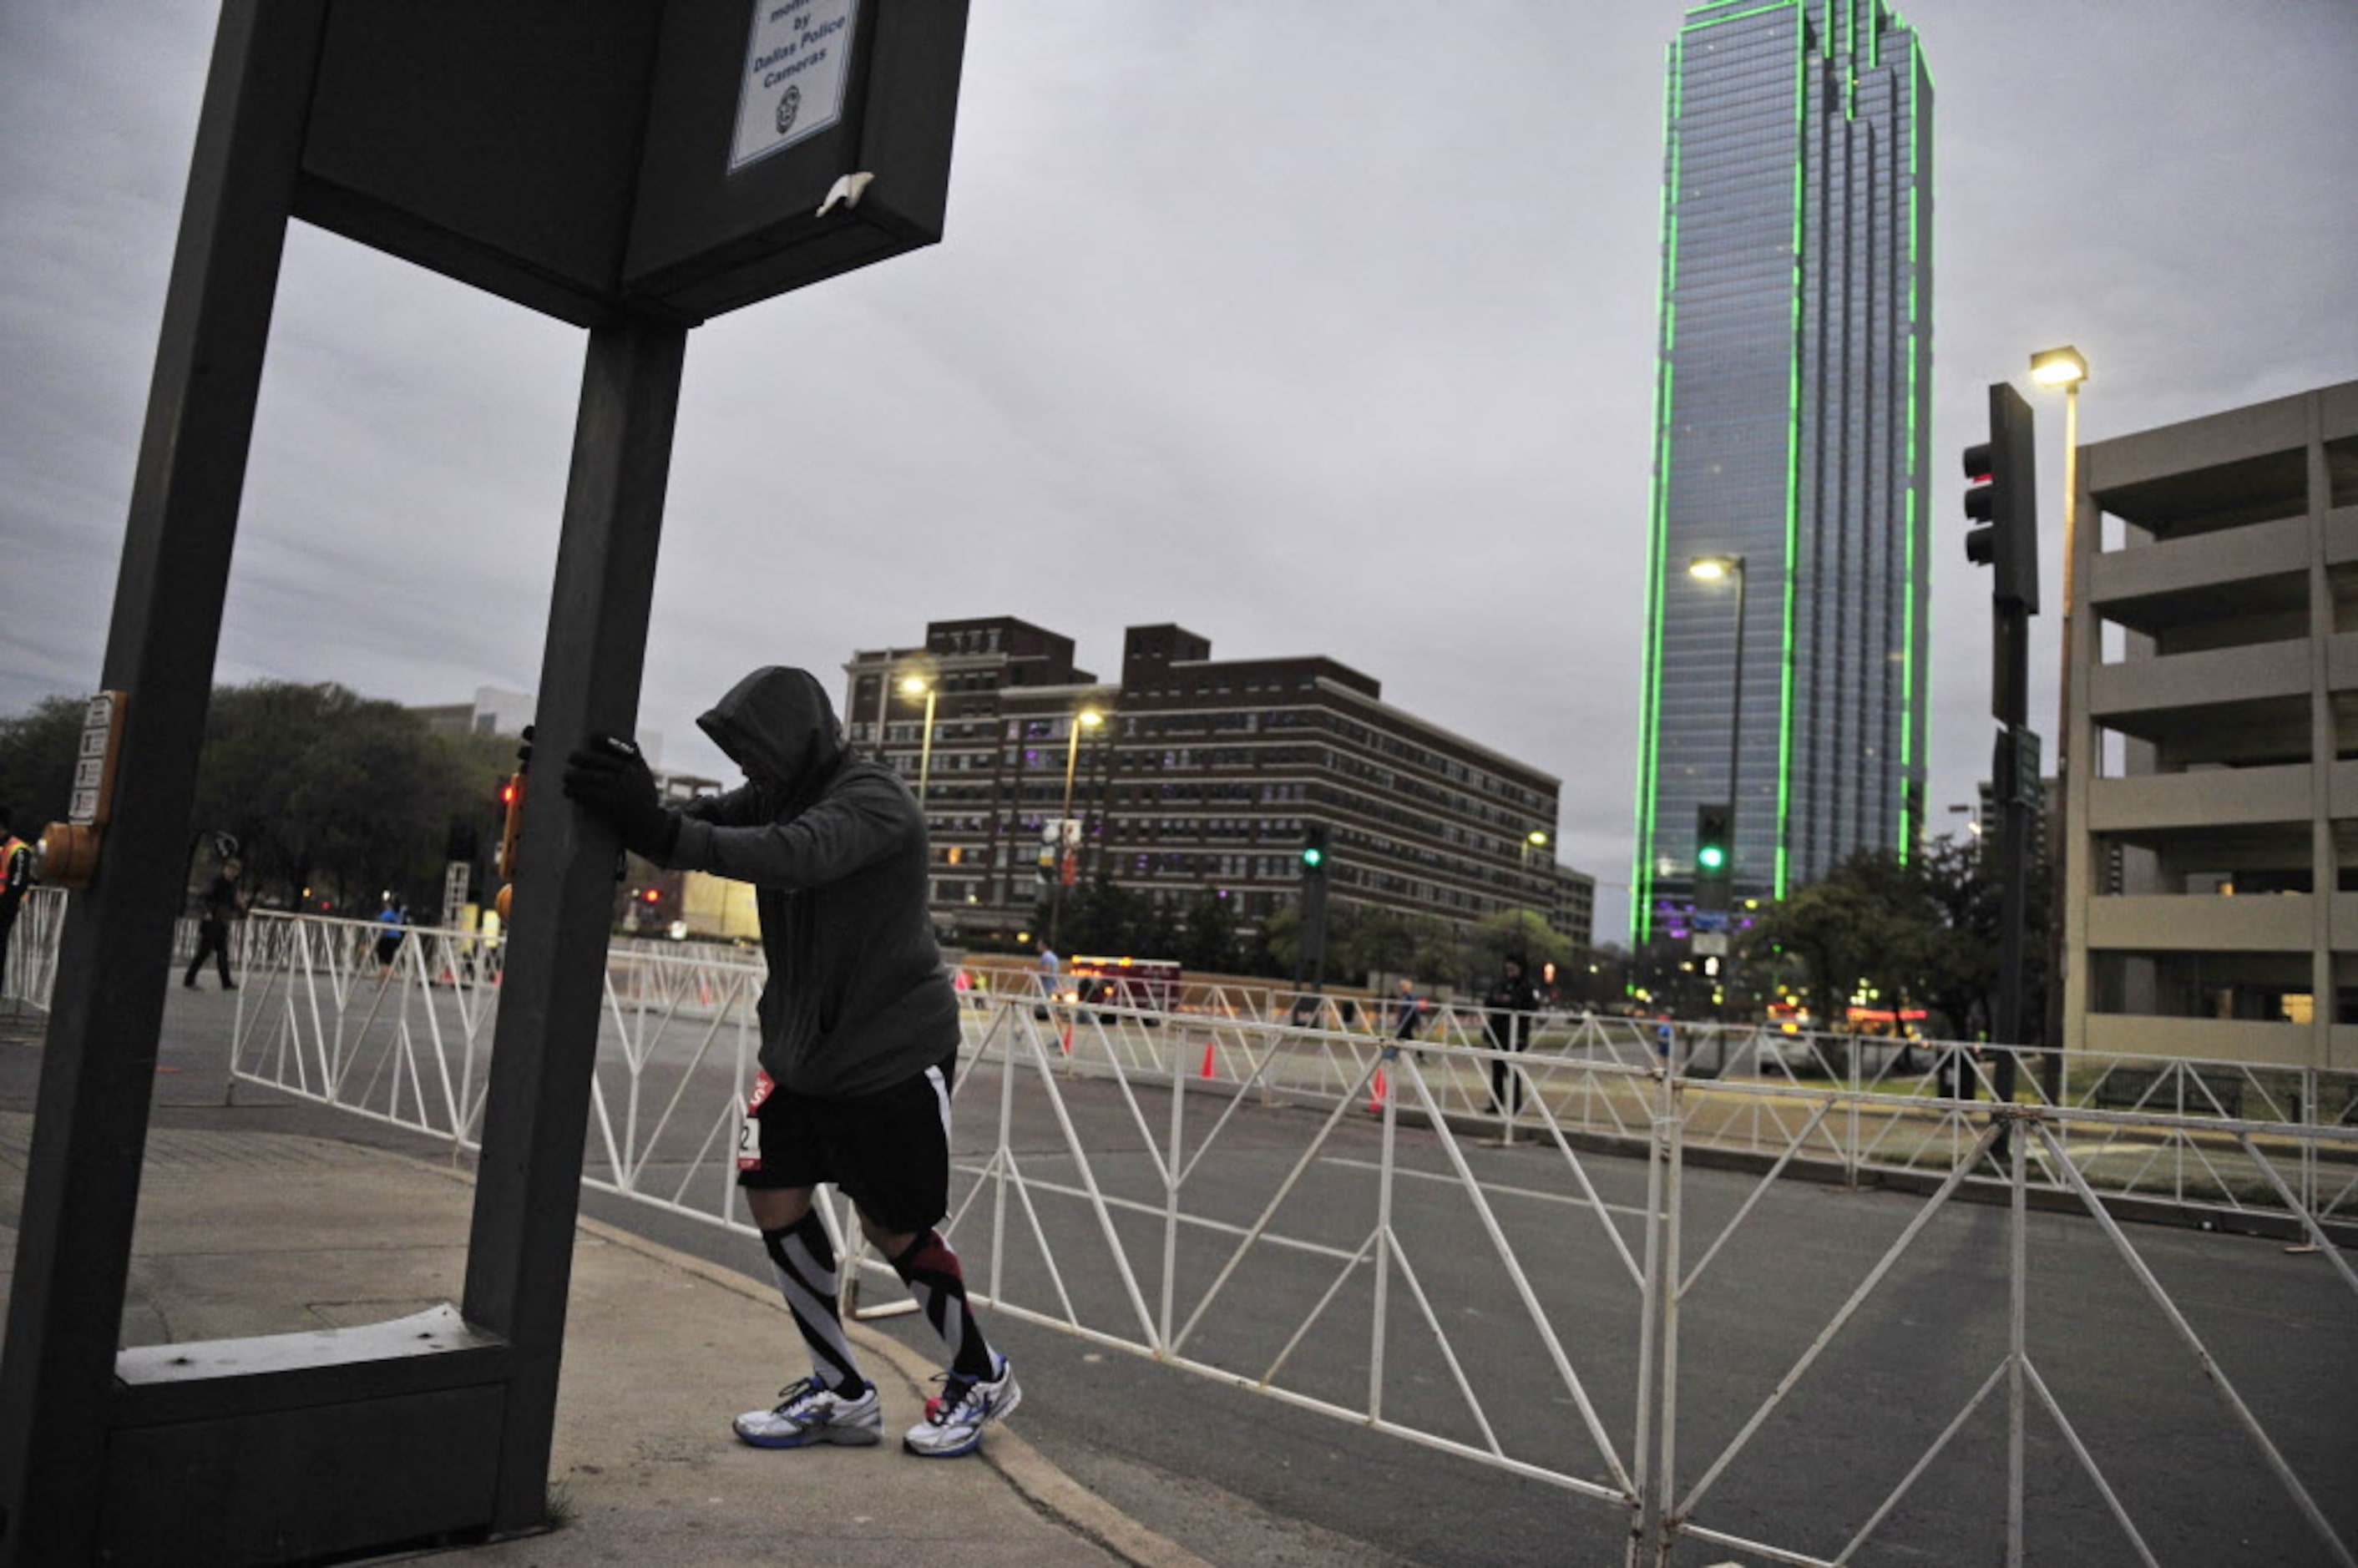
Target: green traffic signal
(1714, 853)
(1311, 855)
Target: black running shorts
(888, 1151)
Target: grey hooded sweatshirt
(835, 848)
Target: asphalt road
(1242, 1478)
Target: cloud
(1314, 338)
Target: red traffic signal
(2002, 495)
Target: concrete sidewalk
(253, 1233)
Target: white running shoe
(955, 1418)
(809, 1412)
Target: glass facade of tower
(1791, 432)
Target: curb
(1046, 1487)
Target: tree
(346, 796)
(1869, 923)
(1596, 978)
(1280, 934)
(37, 762)
(1961, 878)
(1522, 932)
(325, 790)
(1363, 940)
(1208, 941)
(1102, 916)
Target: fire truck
(1150, 985)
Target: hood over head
(778, 723)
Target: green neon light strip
(1642, 879)
(1915, 470)
(1923, 69)
(1792, 475)
(1918, 456)
(1908, 616)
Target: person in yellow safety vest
(16, 877)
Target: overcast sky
(1315, 326)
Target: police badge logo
(789, 105)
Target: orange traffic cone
(1069, 1037)
(1376, 1093)
(1211, 1069)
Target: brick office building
(1201, 776)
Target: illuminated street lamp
(1086, 717)
(2065, 366)
(914, 685)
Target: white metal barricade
(1346, 1222)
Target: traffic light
(2002, 495)
(1314, 849)
(511, 811)
(503, 860)
(1714, 853)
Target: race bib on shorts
(749, 1134)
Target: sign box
(585, 158)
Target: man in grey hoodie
(860, 1036)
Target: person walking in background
(1051, 970)
(390, 922)
(16, 877)
(860, 1038)
(1407, 1012)
(222, 903)
(1511, 1002)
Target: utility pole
(2002, 495)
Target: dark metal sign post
(633, 166)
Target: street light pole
(2065, 367)
(913, 685)
(1090, 717)
(1712, 569)
(1535, 840)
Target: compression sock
(802, 1259)
(931, 1272)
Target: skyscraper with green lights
(1791, 437)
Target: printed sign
(797, 63)
(93, 781)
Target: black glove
(608, 777)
